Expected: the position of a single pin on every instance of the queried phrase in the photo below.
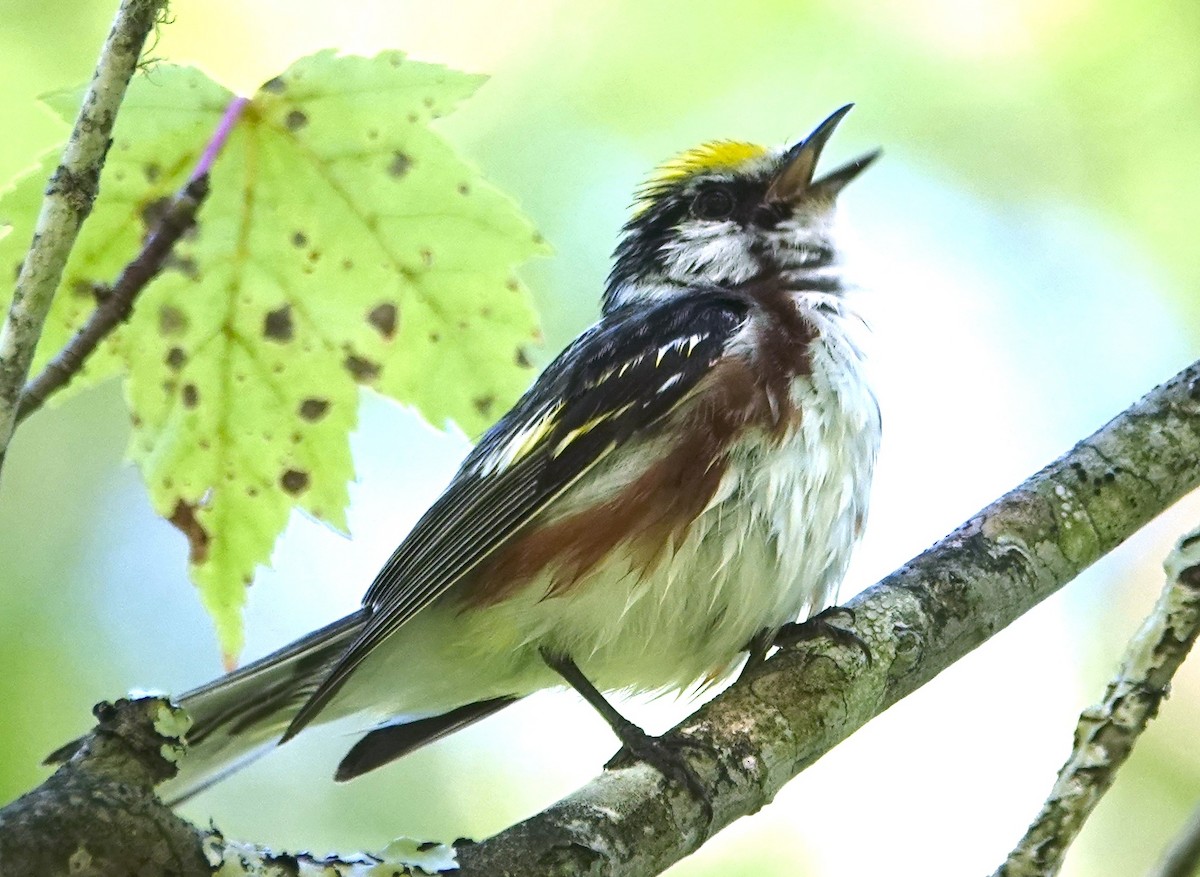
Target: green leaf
(343, 243)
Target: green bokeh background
(1031, 235)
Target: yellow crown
(710, 156)
(713, 155)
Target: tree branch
(69, 196)
(117, 305)
(790, 711)
(1108, 730)
(97, 815)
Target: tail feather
(240, 716)
(386, 744)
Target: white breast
(772, 545)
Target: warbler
(687, 476)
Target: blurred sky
(1029, 240)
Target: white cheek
(807, 233)
(715, 253)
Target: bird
(686, 478)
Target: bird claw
(665, 755)
(821, 625)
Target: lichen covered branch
(1107, 731)
(69, 196)
(97, 814)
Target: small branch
(233, 112)
(1108, 730)
(1182, 858)
(69, 197)
(116, 307)
(98, 814)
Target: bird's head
(726, 213)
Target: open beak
(795, 182)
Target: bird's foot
(666, 755)
(821, 625)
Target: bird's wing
(619, 377)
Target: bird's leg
(661, 752)
(758, 647)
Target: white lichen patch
(428, 857)
(402, 856)
(172, 723)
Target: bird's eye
(713, 204)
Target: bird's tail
(238, 717)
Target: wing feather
(618, 378)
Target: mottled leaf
(343, 243)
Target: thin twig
(216, 143)
(1107, 731)
(1182, 857)
(117, 305)
(69, 197)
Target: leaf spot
(153, 172)
(399, 165)
(484, 404)
(383, 318)
(185, 265)
(89, 289)
(313, 410)
(294, 481)
(176, 358)
(361, 369)
(295, 120)
(275, 86)
(184, 519)
(464, 189)
(153, 211)
(521, 358)
(299, 239)
(278, 326)
(427, 257)
(190, 396)
(171, 320)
